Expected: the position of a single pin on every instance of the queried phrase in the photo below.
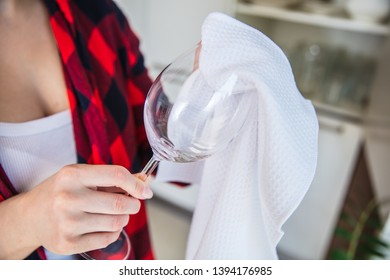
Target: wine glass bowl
(119, 250)
(189, 119)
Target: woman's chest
(31, 76)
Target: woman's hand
(70, 213)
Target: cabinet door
(377, 127)
(309, 230)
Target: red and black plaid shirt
(106, 83)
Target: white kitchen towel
(248, 190)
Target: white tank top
(32, 151)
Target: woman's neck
(10, 9)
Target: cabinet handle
(338, 128)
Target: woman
(72, 88)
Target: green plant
(360, 233)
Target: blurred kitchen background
(340, 54)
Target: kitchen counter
(169, 226)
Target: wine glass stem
(149, 167)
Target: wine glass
(186, 117)
(118, 250)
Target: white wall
(168, 28)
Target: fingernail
(147, 193)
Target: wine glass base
(119, 250)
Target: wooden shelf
(312, 19)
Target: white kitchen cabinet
(309, 230)
(377, 128)
(342, 43)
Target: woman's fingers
(80, 208)
(88, 242)
(108, 176)
(109, 203)
(101, 223)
